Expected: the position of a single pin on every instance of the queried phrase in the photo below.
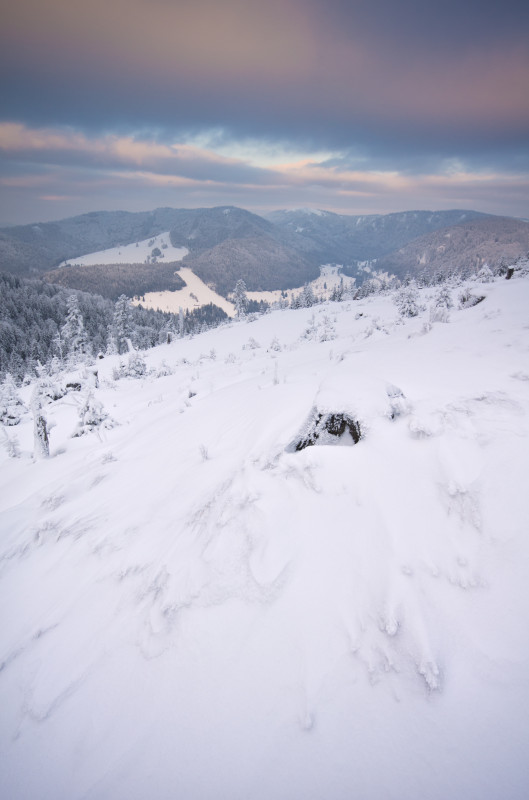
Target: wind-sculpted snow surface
(194, 608)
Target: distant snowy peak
(317, 212)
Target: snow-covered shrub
(12, 446)
(251, 344)
(439, 314)
(375, 325)
(441, 304)
(163, 370)
(311, 331)
(41, 441)
(49, 390)
(134, 368)
(92, 416)
(467, 299)
(11, 406)
(328, 331)
(407, 300)
(275, 345)
(443, 298)
(399, 405)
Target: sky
(355, 106)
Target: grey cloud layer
(430, 76)
(409, 87)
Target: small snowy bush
(407, 300)
(11, 406)
(443, 298)
(251, 344)
(328, 331)
(311, 331)
(439, 314)
(92, 416)
(467, 299)
(163, 370)
(41, 440)
(134, 368)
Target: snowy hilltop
(285, 558)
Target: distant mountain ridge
(461, 248)
(280, 250)
(347, 239)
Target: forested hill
(33, 315)
(27, 249)
(280, 250)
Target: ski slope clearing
(194, 605)
(135, 253)
(193, 295)
(197, 293)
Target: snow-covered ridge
(135, 253)
(193, 608)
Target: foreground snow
(193, 609)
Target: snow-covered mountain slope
(194, 608)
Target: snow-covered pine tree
(337, 292)
(11, 406)
(112, 345)
(240, 298)
(485, 274)
(307, 297)
(122, 324)
(73, 334)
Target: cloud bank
(358, 106)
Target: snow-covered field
(193, 609)
(330, 277)
(135, 253)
